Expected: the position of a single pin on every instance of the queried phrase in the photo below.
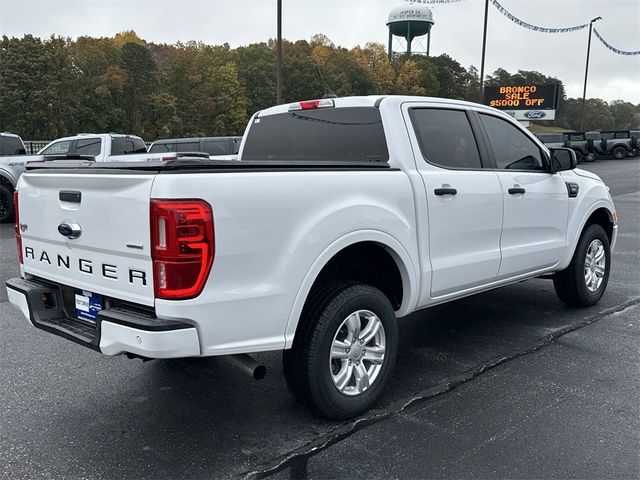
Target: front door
(536, 203)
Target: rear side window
(513, 150)
(576, 137)
(446, 138)
(338, 134)
(127, 145)
(216, 147)
(162, 147)
(11, 146)
(88, 146)
(57, 148)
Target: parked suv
(577, 141)
(619, 143)
(221, 148)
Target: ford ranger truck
(341, 217)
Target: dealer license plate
(88, 305)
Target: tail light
(183, 247)
(17, 225)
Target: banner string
(613, 49)
(537, 28)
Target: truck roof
(376, 100)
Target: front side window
(58, 148)
(446, 138)
(88, 146)
(513, 150)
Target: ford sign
(535, 114)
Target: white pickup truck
(105, 147)
(342, 216)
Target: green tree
(624, 115)
(138, 64)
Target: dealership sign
(532, 115)
(524, 102)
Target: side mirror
(563, 159)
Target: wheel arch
(600, 213)
(7, 178)
(366, 239)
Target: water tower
(408, 22)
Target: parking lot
(509, 383)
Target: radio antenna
(328, 93)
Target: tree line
(58, 86)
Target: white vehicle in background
(91, 147)
(341, 216)
(218, 148)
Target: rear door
(464, 201)
(111, 256)
(536, 202)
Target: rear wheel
(6, 203)
(343, 357)
(584, 281)
(619, 153)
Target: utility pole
(279, 55)
(586, 72)
(484, 49)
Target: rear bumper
(116, 331)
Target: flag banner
(431, 2)
(613, 49)
(535, 28)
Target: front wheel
(344, 355)
(584, 281)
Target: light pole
(484, 49)
(586, 72)
(279, 55)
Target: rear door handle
(516, 190)
(445, 191)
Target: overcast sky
(457, 30)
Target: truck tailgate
(112, 254)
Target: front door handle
(516, 190)
(445, 191)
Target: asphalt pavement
(506, 384)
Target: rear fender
(410, 281)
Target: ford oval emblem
(69, 229)
(535, 114)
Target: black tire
(570, 284)
(307, 363)
(6, 203)
(619, 153)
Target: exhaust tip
(259, 372)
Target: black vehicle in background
(617, 143)
(214, 146)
